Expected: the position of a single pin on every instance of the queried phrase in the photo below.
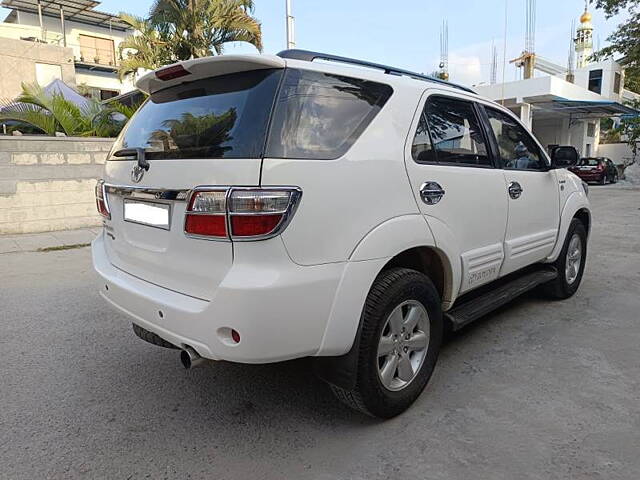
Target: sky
(406, 33)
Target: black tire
(151, 337)
(560, 288)
(392, 288)
(615, 178)
(603, 180)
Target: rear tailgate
(166, 256)
(205, 128)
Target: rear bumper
(590, 177)
(280, 309)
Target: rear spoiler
(198, 68)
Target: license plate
(586, 168)
(148, 213)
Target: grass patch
(63, 247)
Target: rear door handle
(431, 193)
(515, 190)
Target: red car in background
(596, 169)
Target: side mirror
(563, 157)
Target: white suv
(265, 208)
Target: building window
(595, 81)
(617, 82)
(107, 94)
(591, 130)
(97, 93)
(47, 73)
(97, 50)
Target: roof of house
(81, 11)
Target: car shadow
(223, 400)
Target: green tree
(630, 128)
(146, 49)
(53, 114)
(184, 29)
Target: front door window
(518, 150)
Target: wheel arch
(407, 241)
(431, 261)
(401, 242)
(584, 215)
(576, 206)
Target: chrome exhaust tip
(190, 358)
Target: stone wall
(46, 183)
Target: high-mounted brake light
(174, 71)
(101, 200)
(240, 213)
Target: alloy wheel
(574, 259)
(403, 345)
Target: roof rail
(309, 56)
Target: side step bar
(493, 298)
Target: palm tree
(184, 29)
(53, 114)
(145, 49)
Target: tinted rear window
(219, 117)
(316, 116)
(588, 162)
(320, 115)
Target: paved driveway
(538, 390)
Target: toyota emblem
(137, 173)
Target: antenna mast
(444, 51)
(571, 60)
(290, 35)
(493, 76)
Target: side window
(455, 134)
(421, 150)
(320, 115)
(518, 150)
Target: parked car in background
(264, 208)
(596, 169)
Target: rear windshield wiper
(139, 153)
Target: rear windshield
(316, 116)
(219, 117)
(589, 162)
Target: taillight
(600, 167)
(206, 214)
(240, 213)
(101, 200)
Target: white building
(86, 37)
(564, 106)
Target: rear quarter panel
(344, 199)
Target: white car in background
(265, 208)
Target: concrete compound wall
(620, 153)
(18, 59)
(47, 183)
